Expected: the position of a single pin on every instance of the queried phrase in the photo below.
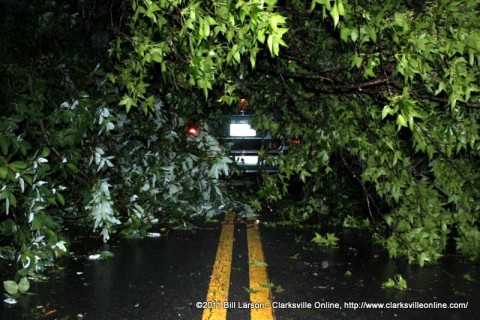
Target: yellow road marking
(220, 282)
(259, 286)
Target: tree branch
(365, 86)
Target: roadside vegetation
(96, 98)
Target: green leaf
(274, 23)
(4, 144)
(354, 35)
(442, 86)
(3, 172)
(332, 239)
(401, 282)
(12, 199)
(401, 121)
(106, 255)
(45, 152)
(471, 57)
(398, 282)
(24, 285)
(388, 284)
(128, 102)
(329, 239)
(345, 33)
(318, 238)
(206, 28)
(22, 147)
(236, 56)
(261, 36)
(335, 14)
(60, 198)
(356, 61)
(422, 257)
(72, 167)
(250, 291)
(36, 223)
(256, 204)
(468, 277)
(258, 264)
(304, 174)
(11, 287)
(341, 9)
(18, 165)
(270, 44)
(386, 111)
(474, 41)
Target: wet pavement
(152, 278)
(164, 278)
(337, 281)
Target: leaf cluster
(385, 100)
(69, 156)
(397, 282)
(189, 45)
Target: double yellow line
(220, 281)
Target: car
(248, 147)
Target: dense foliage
(385, 98)
(97, 96)
(70, 157)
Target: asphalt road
(152, 278)
(169, 278)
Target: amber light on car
(243, 104)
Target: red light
(296, 139)
(193, 131)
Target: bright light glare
(193, 131)
(242, 130)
